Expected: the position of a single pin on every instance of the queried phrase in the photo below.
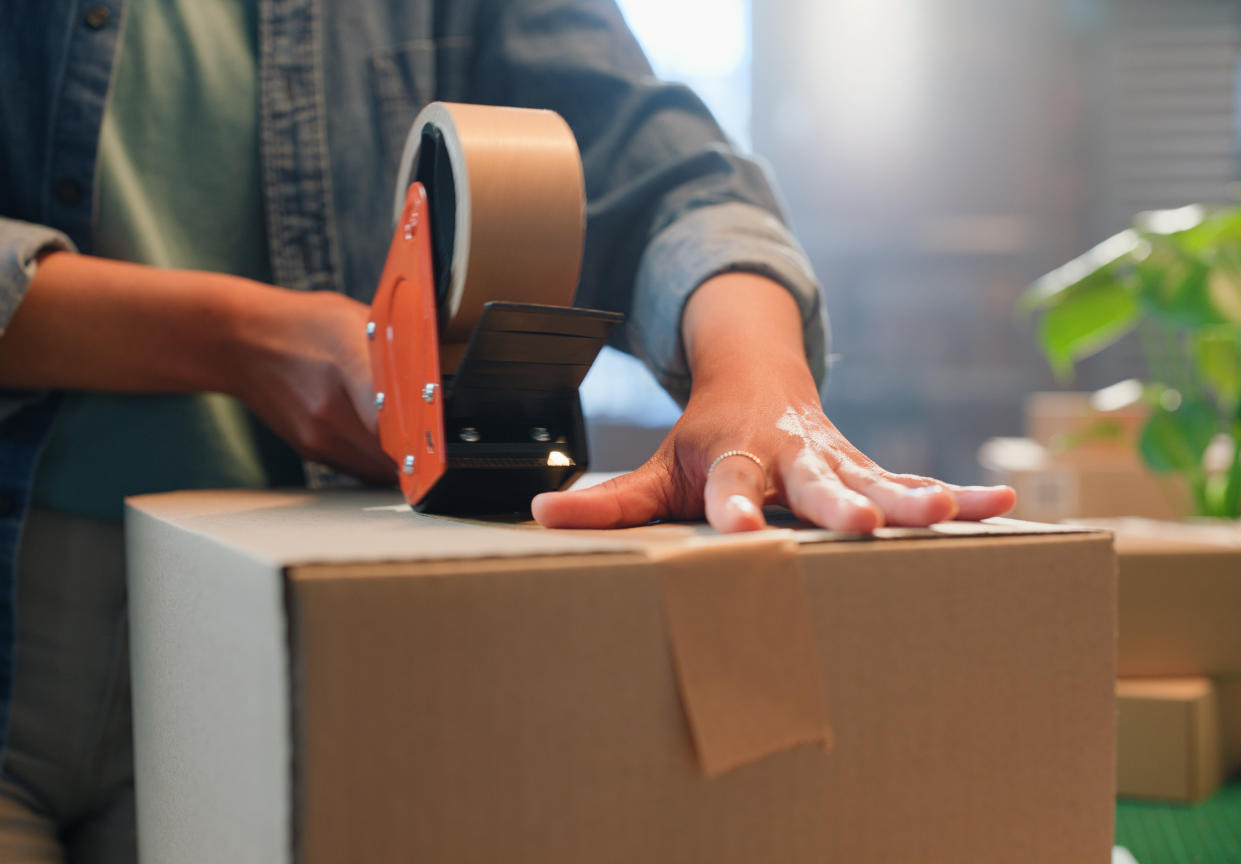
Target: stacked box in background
(1179, 649)
(1167, 738)
(1178, 657)
(1078, 461)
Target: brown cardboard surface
(509, 705)
(744, 650)
(1167, 739)
(1179, 592)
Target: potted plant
(1175, 279)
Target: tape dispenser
(476, 351)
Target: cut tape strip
(743, 645)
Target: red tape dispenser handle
(405, 361)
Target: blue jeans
(66, 781)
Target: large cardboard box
(1168, 739)
(330, 677)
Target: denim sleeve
(21, 243)
(669, 202)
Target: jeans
(66, 781)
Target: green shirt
(179, 186)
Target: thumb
(631, 499)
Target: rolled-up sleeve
(704, 243)
(21, 244)
(669, 203)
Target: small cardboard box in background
(1085, 427)
(330, 677)
(1168, 739)
(1051, 488)
(1079, 459)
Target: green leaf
(1105, 262)
(1175, 288)
(1217, 357)
(1231, 505)
(1217, 228)
(1176, 440)
(1224, 284)
(1086, 319)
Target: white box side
(209, 655)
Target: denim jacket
(669, 203)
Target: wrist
(742, 327)
(241, 313)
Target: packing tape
(508, 208)
(743, 645)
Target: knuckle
(323, 409)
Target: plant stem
(1232, 488)
(1198, 488)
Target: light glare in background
(870, 66)
(705, 44)
(702, 43)
(691, 38)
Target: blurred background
(937, 156)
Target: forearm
(93, 324)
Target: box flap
(372, 526)
(1143, 535)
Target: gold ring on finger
(746, 453)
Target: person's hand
(303, 367)
(752, 393)
(807, 465)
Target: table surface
(1206, 833)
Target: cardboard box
(1073, 427)
(1178, 597)
(1051, 488)
(330, 677)
(1167, 739)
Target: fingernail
(741, 505)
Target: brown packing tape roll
(743, 645)
(520, 214)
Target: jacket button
(97, 17)
(69, 192)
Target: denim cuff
(21, 243)
(721, 238)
